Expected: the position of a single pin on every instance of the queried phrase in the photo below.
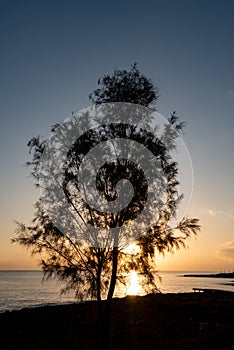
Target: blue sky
(52, 54)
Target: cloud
(213, 213)
(230, 92)
(227, 251)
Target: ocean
(25, 289)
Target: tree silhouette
(94, 270)
(125, 86)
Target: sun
(133, 285)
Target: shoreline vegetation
(162, 321)
(211, 275)
(214, 275)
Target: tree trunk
(113, 274)
(107, 316)
(99, 299)
(98, 285)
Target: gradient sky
(52, 54)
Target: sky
(52, 54)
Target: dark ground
(162, 321)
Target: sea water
(20, 289)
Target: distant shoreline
(212, 275)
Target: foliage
(94, 272)
(125, 86)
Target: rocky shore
(159, 321)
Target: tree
(93, 271)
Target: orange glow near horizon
(211, 250)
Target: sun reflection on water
(133, 285)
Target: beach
(156, 321)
